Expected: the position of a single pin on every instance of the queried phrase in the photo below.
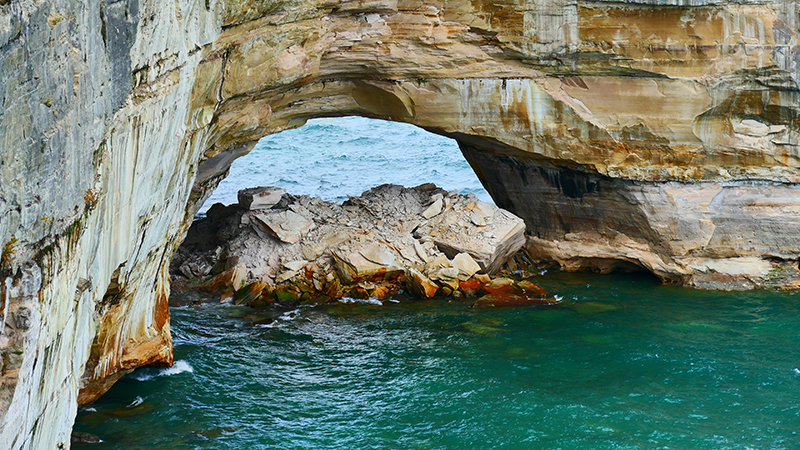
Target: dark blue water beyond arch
(334, 158)
(622, 363)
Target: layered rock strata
(424, 239)
(660, 133)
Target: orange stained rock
(420, 285)
(472, 287)
(508, 299)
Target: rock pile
(275, 246)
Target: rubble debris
(423, 240)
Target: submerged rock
(592, 307)
(509, 292)
(79, 439)
(422, 239)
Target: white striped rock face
(661, 134)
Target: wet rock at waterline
(508, 292)
(424, 240)
(81, 439)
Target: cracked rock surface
(379, 240)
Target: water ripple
(671, 369)
(315, 160)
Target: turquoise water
(334, 158)
(622, 363)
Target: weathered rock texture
(425, 239)
(661, 133)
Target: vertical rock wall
(660, 133)
(94, 163)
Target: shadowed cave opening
(334, 158)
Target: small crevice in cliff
(487, 34)
(103, 25)
(114, 290)
(770, 78)
(225, 57)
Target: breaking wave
(148, 374)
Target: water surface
(334, 158)
(622, 363)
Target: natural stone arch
(604, 160)
(534, 123)
(616, 128)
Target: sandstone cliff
(660, 133)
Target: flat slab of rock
(490, 235)
(288, 226)
(465, 264)
(262, 197)
(434, 208)
(357, 263)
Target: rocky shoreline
(275, 247)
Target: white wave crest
(289, 315)
(136, 402)
(368, 301)
(180, 366)
(281, 320)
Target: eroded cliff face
(660, 133)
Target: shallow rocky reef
(272, 246)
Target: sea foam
(148, 374)
(367, 301)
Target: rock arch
(658, 132)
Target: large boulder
(261, 197)
(490, 235)
(287, 226)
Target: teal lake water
(622, 363)
(334, 158)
